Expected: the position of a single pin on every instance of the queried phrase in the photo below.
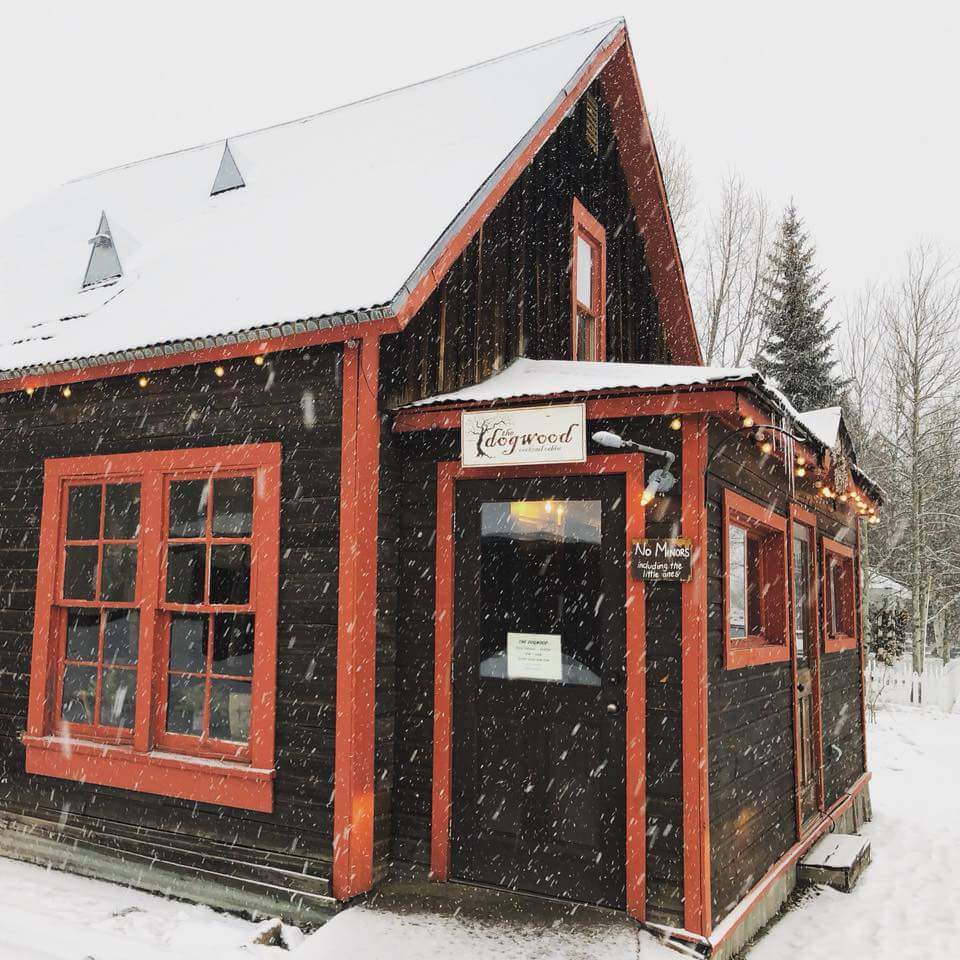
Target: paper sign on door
(534, 656)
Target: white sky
(849, 107)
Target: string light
(766, 447)
(676, 423)
(219, 371)
(801, 462)
(259, 359)
(29, 391)
(748, 421)
(143, 381)
(800, 472)
(66, 391)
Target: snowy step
(837, 860)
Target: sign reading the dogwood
(496, 438)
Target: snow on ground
(906, 907)
(907, 904)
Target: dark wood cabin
(296, 601)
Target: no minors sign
(666, 559)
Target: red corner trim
(448, 473)
(697, 913)
(588, 225)
(354, 780)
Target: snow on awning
(545, 378)
(824, 424)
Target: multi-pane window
(210, 622)
(98, 615)
(588, 293)
(155, 630)
(756, 586)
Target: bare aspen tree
(679, 183)
(730, 285)
(921, 327)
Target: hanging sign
(495, 438)
(666, 559)
(534, 656)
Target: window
(155, 637)
(588, 286)
(839, 597)
(755, 574)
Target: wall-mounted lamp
(661, 481)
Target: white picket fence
(938, 685)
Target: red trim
(354, 780)
(638, 156)
(457, 244)
(697, 912)
(168, 775)
(233, 351)
(774, 646)
(827, 821)
(150, 468)
(448, 473)
(858, 580)
(693, 400)
(587, 226)
(800, 516)
(838, 642)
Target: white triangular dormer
(104, 263)
(228, 176)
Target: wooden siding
(750, 710)
(508, 293)
(190, 407)
(418, 454)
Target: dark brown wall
(418, 455)
(508, 294)
(750, 720)
(191, 408)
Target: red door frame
(798, 515)
(448, 473)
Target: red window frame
(768, 530)
(835, 553)
(148, 758)
(587, 228)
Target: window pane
(80, 573)
(185, 705)
(83, 513)
(233, 507)
(233, 644)
(737, 575)
(188, 508)
(83, 635)
(121, 634)
(185, 572)
(585, 272)
(230, 710)
(188, 642)
(79, 694)
(230, 573)
(754, 587)
(122, 519)
(118, 697)
(119, 574)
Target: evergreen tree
(798, 344)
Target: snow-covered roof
(879, 583)
(823, 424)
(533, 378)
(340, 212)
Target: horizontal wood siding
(418, 454)
(294, 399)
(508, 293)
(750, 710)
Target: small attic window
(228, 175)
(591, 122)
(104, 263)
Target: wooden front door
(539, 687)
(807, 676)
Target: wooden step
(837, 861)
